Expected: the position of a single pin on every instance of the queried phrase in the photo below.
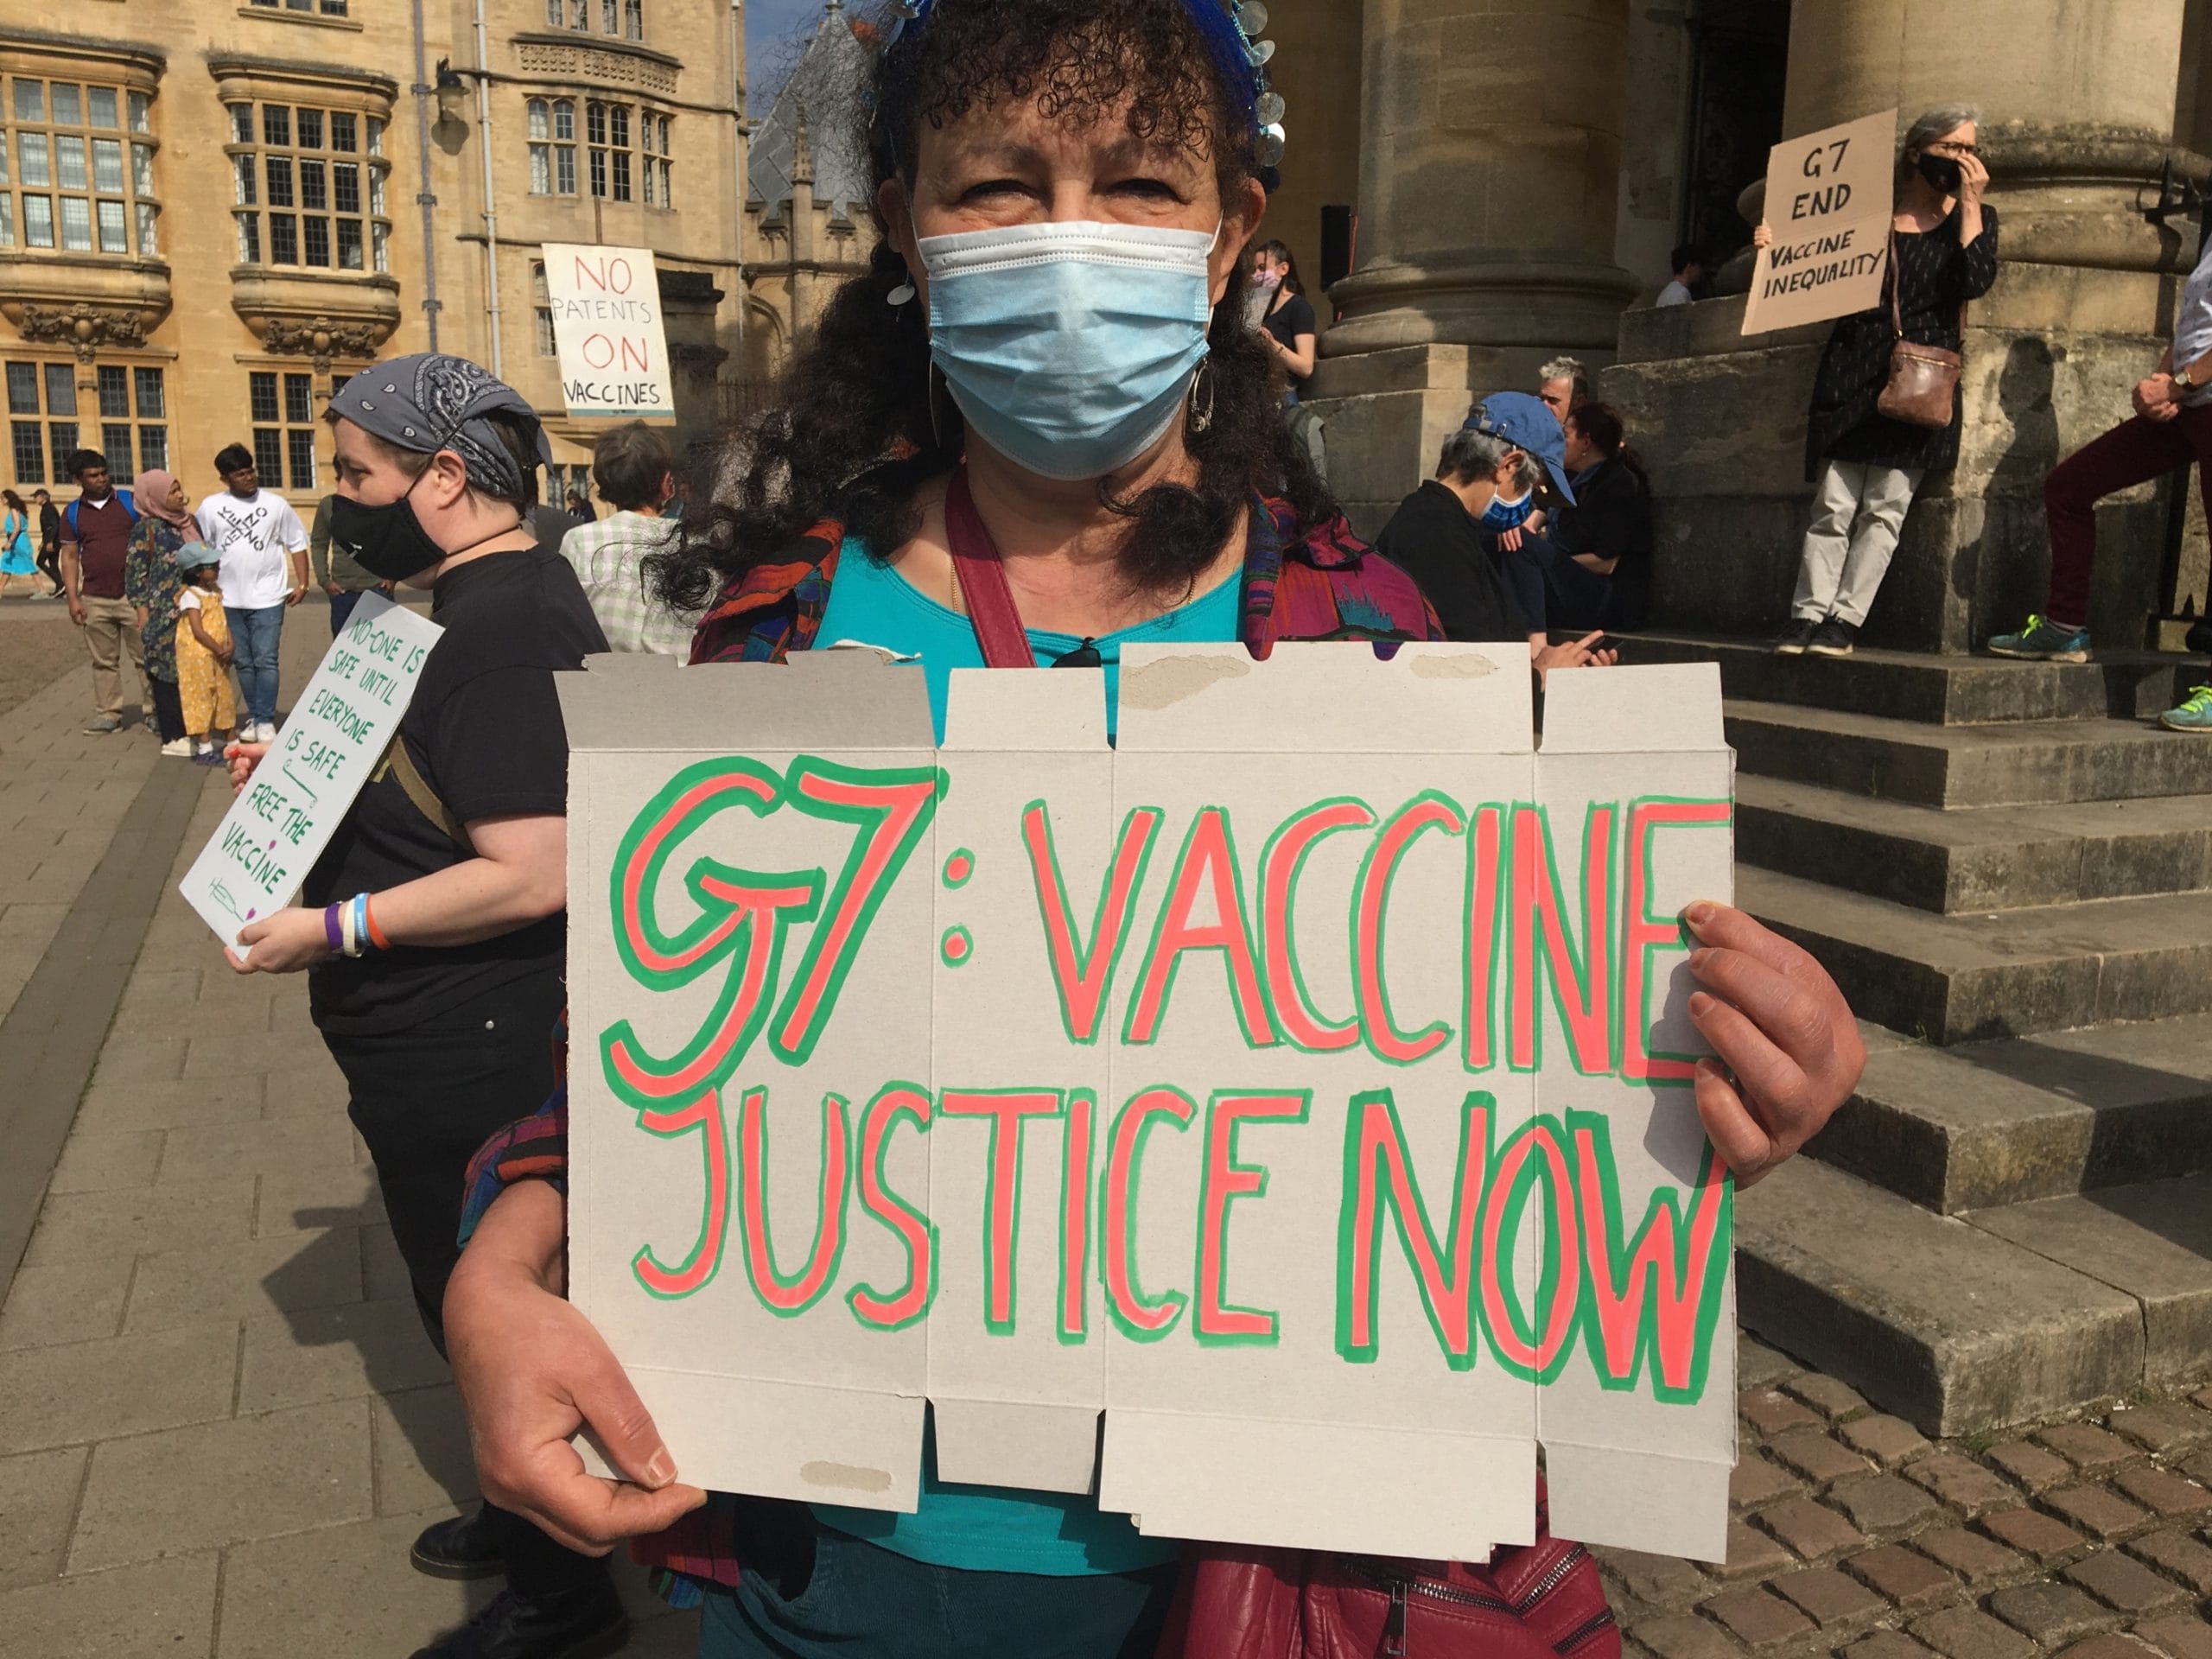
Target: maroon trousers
(2133, 453)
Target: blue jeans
(341, 609)
(859, 1601)
(1554, 592)
(254, 635)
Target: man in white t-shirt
(263, 547)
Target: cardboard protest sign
(1828, 201)
(1306, 1098)
(607, 333)
(339, 730)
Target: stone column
(1489, 170)
(2077, 101)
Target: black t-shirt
(1432, 540)
(1289, 320)
(484, 731)
(1611, 518)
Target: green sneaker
(2043, 640)
(2195, 714)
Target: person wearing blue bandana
(1035, 429)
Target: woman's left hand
(1790, 1049)
(282, 942)
(1973, 179)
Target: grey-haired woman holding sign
(432, 928)
(1865, 467)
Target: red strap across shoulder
(991, 609)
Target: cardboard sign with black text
(1829, 200)
(1305, 1094)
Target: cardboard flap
(827, 1445)
(1391, 1492)
(1042, 709)
(1650, 1501)
(1051, 1448)
(1667, 707)
(1325, 697)
(853, 701)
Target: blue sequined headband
(1231, 34)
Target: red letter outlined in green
(789, 1297)
(696, 1270)
(1479, 1021)
(1223, 1180)
(1647, 934)
(1378, 1173)
(1532, 1154)
(1007, 1109)
(900, 1308)
(891, 809)
(742, 915)
(1660, 1292)
(1085, 978)
(1208, 861)
(1142, 1319)
(1075, 1217)
(1582, 993)
(1370, 914)
(1282, 861)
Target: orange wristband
(375, 933)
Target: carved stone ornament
(86, 327)
(321, 340)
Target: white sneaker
(267, 729)
(179, 747)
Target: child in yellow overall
(203, 654)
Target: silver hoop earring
(1202, 412)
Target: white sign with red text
(607, 333)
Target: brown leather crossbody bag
(1923, 388)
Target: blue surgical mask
(1068, 347)
(1503, 514)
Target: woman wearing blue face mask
(1037, 430)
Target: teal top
(991, 1529)
(871, 604)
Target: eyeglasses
(1949, 149)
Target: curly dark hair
(852, 434)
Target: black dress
(1939, 276)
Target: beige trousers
(112, 629)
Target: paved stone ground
(220, 1423)
(1853, 1534)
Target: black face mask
(387, 541)
(1941, 171)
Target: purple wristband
(330, 929)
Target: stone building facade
(808, 199)
(213, 212)
(1523, 167)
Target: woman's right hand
(532, 1371)
(242, 758)
(1763, 236)
(1577, 653)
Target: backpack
(129, 508)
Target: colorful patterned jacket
(1325, 585)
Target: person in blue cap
(1523, 555)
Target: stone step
(1983, 859)
(1956, 979)
(2024, 763)
(2003, 1122)
(1961, 1323)
(1933, 690)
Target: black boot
(586, 1622)
(466, 1547)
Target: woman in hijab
(432, 928)
(1042, 392)
(150, 582)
